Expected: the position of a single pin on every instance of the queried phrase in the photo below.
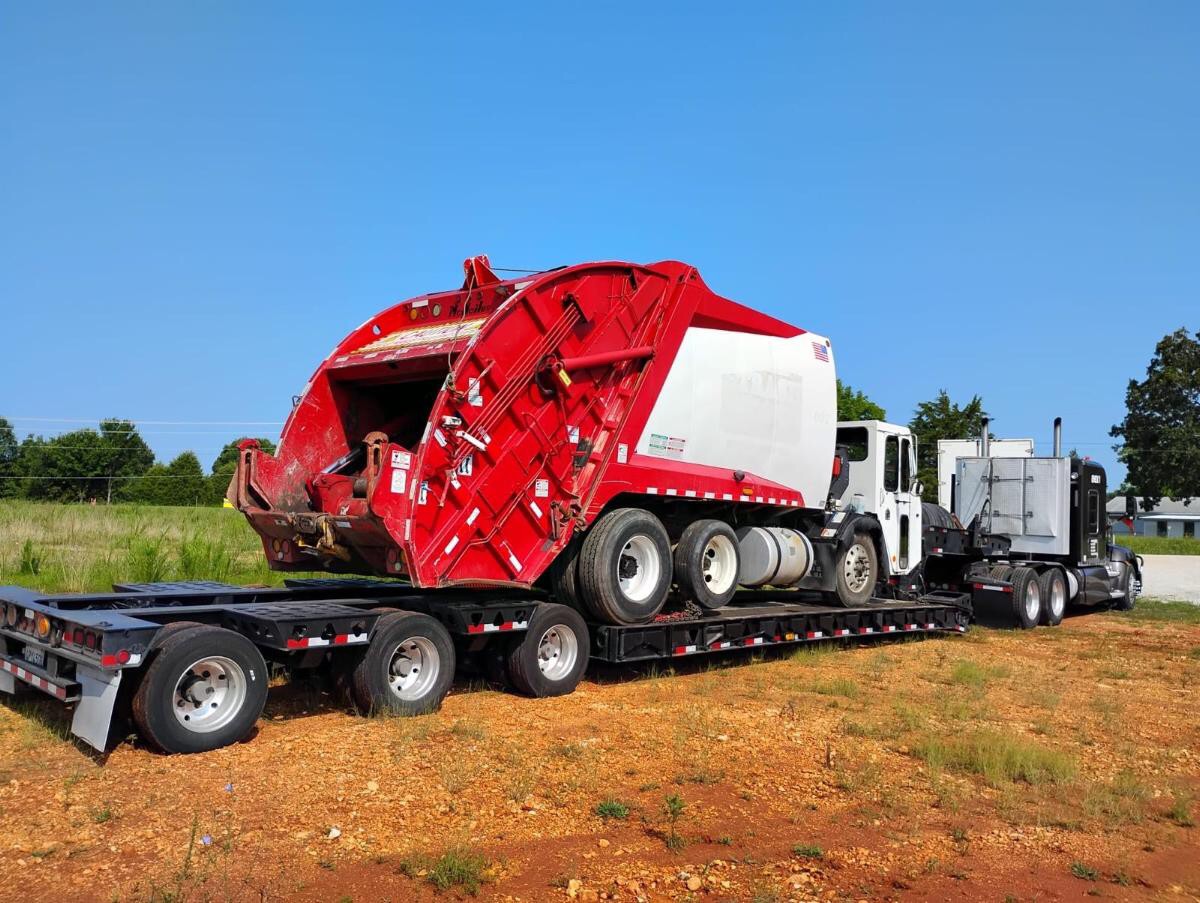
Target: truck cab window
(855, 440)
(891, 464)
(906, 476)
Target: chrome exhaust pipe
(1058, 437)
(984, 446)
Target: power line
(152, 422)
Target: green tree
(84, 464)
(942, 419)
(854, 405)
(224, 466)
(10, 451)
(1161, 429)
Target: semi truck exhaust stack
(1058, 437)
(984, 446)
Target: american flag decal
(820, 352)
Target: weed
(968, 673)
(570, 750)
(1181, 809)
(611, 808)
(457, 867)
(999, 759)
(148, 561)
(1119, 803)
(839, 686)
(764, 895)
(673, 809)
(1086, 872)
(101, 815)
(455, 774)
(812, 654)
(725, 840)
(467, 729)
(808, 851)
(1156, 610)
(31, 560)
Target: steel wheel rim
(413, 668)
(638, 568)
(719, 564)
(209, 694)
(1058, 598)
(557, 652)
(1033, 600)
(856, 568)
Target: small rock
(603, 842)
(589, 895)
(372, 786)
(573, 887)
(334, 833)
(694, 882)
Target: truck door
(908, 510)
(888, 511)
(899, 509)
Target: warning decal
(667, 446)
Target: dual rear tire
(622, 570)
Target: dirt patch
(1047, 765)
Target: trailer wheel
(625, 566)
(204, 689)
(856, 571)
(707, 563)
(1026, 598)
(408, 666)
(551, 658)
(1001, 572)
(1053, 588)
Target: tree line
(110, 464)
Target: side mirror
(917, 488)
(1131, 506)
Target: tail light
(41, 625)
(837, 465)
(12, 615)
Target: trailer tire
(856, 571)
(553, 654)
(408, 666)
(624, 567)
(1053, 588)
(1000, 572)
(220, 674)
(1026, 598)
(707, 563)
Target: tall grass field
(82, 548)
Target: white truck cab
(883, 467)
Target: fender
(844, 524)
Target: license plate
(35, 656)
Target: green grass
(1158, 610)
(808, 851)
(1086, 872)
(83, 548)
(971, 674)
(1160, 545)
(998, 759)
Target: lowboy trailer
(187, 664)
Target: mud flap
(8, 683)
(93, 712)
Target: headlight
(1113, 568)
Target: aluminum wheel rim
(719, 563)
(1033, 601)
(209, 694)
(413, 668)
(558, 650)
(638, 568)
(1058, 598)
(856, 568)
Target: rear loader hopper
(471, 437)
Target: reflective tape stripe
(313, 642)
(493, 628)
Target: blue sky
(198, 200)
